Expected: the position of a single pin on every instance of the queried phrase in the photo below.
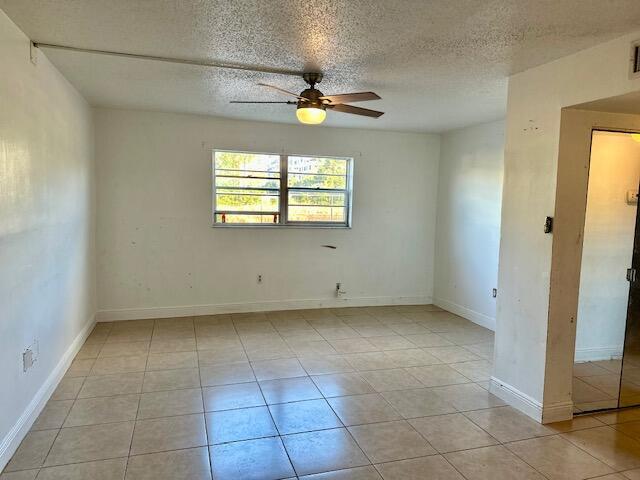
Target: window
(281, 190)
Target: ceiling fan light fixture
(311, 114)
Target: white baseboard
(11, 441)
(213, 309)
(599, 353)
(530, 406)
(471, 315)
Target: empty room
(319, 240)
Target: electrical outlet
(494, 292)
(259, 278)
(339, 291)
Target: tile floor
(361, 393)
(597, 384)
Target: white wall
(527, 345)
(158, 254)
(468, 221)
(47, 277)
(607, 248)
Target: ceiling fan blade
(351, 97)
(258, 101)
(340, 107)
(282, 90)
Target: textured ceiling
(437, 64)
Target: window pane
(254, 183)
(316, 214)
(251, 202)
(311, 172)
(240, 218)
(336, 199)
(254, 162)
(309, 165)
(317, 181)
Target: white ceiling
(437, 64)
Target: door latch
(631, 274)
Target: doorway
(606, 372)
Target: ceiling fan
(312, 104)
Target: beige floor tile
(632, 474)
(241, 424)
(80, 368)
(453, 354)
(337, 333)
(221, 356)
(484, 350)
(426, 468)
(410, 328)
(171, 379)
(323, 451)
(477, 370)
(368, 361)
(112, 469)
(269, 352)
(169, 433)
(91, 411)
(609, 446)
(389, 441)
(587, 369)
(558, 459)
(357, 473)
(577, 423)
(53, 415)
(172, 360)
(214, 343)
(388, 380)
(392, 342)
(21, 475)
(113, 365)
(167, 345)
(124, 349)
(468, 396)
(192, 464)
(632, 429)
(361, 409)
(222, 319)
(419, 402)
(437, 375)
(89, 350)
(275, 369)
(89, 443)
(228, 397)
(622, 416)
(118, 384)
(261, 459)
(170, 402)
(428, 340)
(284, 390)
(369, 330)
(129, 335)
(353, 345)
(468, 337)
(412, 357)
(583, 392)
(325, 364)
(304, 416)
(491, 463)
(449, 433)
(226, 374)
(507, 424)
(306, 348)
(68, 388)
(341, 384)
(32, 451)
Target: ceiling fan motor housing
(311, 99)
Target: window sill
(286, 227)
